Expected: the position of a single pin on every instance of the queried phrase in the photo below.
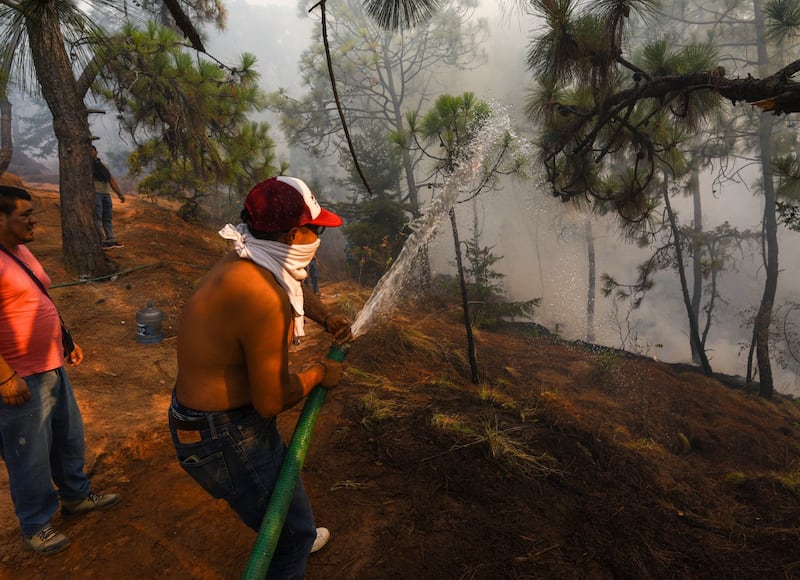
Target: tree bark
(764, 316)
(473, 360)
(694, 329)
(83, 256)
(185, 25)
(6, 141)
(697, 258)
(6, 144)
(591, 294)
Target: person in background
(313, 275)
(41, 429)
(103, 181)
(233, 363)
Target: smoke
(541, 240)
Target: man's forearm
(313, 307)
(115, 186)
(5, 369)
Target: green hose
(281, 497)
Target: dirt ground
(566, 461)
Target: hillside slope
(567, 461)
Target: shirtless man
(233, 362)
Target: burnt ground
(566, 461)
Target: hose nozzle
(338, 351)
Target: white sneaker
(323, 535)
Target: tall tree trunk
(473, 360)
(770, 232)
(591, 294)
(6, 144)
(697, 259)
(395, 116)
(83, 255)
(694, 330)
(770, 225)
(411, 184)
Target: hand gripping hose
(281, 498)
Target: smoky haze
(541, 240)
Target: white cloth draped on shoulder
(288, 263)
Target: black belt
(212, 419)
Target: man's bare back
(233, 344)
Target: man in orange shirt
(41, 429)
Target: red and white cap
(279, 204)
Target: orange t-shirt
(30, 329)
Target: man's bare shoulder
(239, 278)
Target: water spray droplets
(487, 142)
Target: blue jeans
(41, 442)
(240, 462)
(102, 216)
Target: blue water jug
(148, 325)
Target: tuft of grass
(686, 445)
(528, 414)
(341, 433)
(505, 448)
(609, 359)
(495, 397)
(791, 480)
(418, 342)
(374, 410)
(604, 366)
(646, 444)
(348, 484)
(450, 424)
(502, 446)
(441, 382)
(350, 302)
(432, 348)
(737, 478)
(360, 377)
(549, 396)
(622, 432)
